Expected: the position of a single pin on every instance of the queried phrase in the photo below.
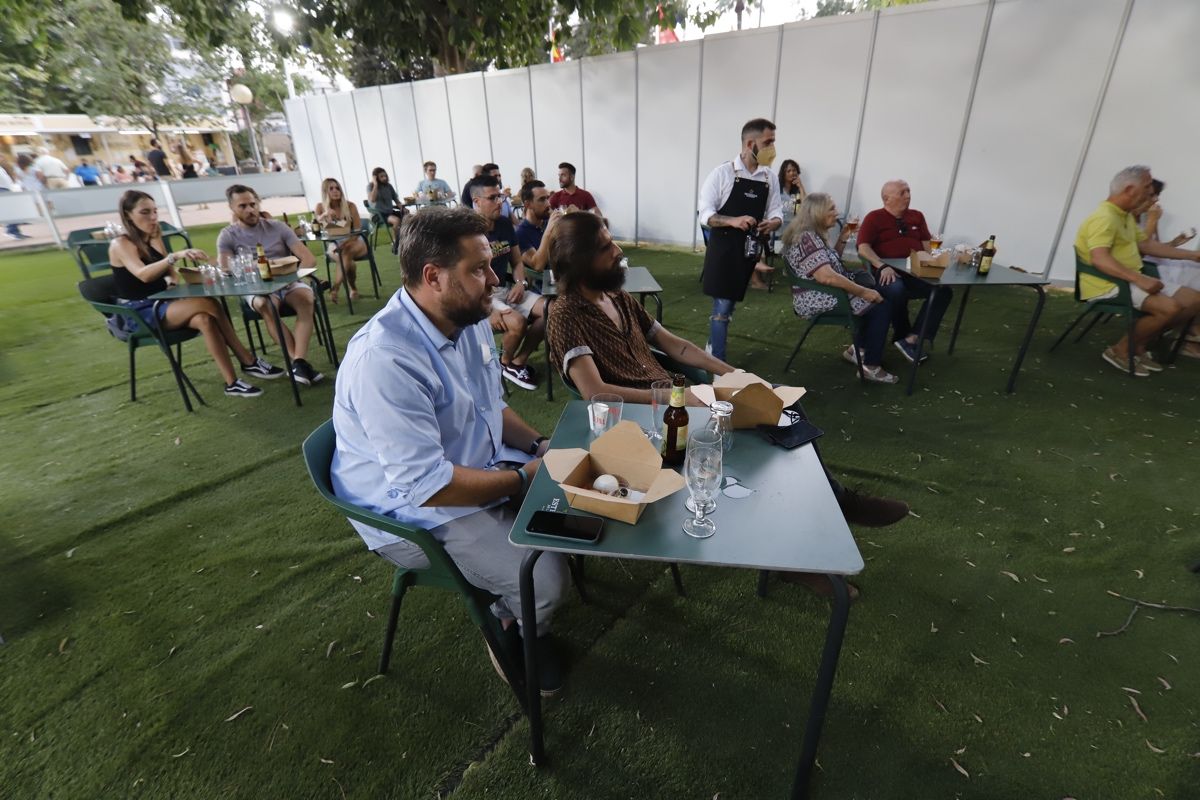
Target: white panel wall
(1165, 138)
(306, 153)
(469, 123)
(732, 95)
(433, 125)
(510, 116)
(610, 142)
(354, 171)
(822, 143)
(915, 104)
(321, 126)
(668, 103)
(556, 110)
(372, 130)
(401, 121)
(1048, 61)
(635, 125)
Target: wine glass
(705, 437)
(703, 472)
(660, 398)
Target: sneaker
(1147, 361)
(1122, 364)
(262, 369)
(240, 388)
(909, 349)
(848, 355)
(518, 375)
(870, 511)
(304, 373)
(1189, 350)
(878, 375)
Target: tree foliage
(830, 8)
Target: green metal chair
(694, 374)
(91, 254)
(840, 315)
(376, 221)
(100, 292)
(1106, 308)
(442, 572)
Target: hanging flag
(556, 53)
(666, 35)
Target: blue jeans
(718, 325)
(941, 301)
(871, 334)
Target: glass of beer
(935, 241)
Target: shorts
(1183, 273)
(282, 294)
(145, 310)
(1138, 295)
(525, 307)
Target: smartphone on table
(567, 527)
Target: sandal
(878, 375)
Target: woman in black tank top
(140, 269)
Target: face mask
(764, 156)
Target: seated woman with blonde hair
(334, 209)
(809, 254)
(141, 267)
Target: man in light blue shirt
(423, 433)
(432, 183)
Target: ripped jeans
(718, 325)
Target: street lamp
(241, 94)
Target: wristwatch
(533, 448)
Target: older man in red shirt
(896, 231)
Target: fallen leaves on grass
(1139, 573)
(1154, 749)
(1164, 683)
(1068, 549)
(1065, 640)
(1138, 709)
(1039, 579)
(350, 684)
(235, 715)
(1006, 573)
(326, 761)
(960, 769)
(71, 552)
(182, 753)
(62, 646)
(978, 660)
(329, 649)
(372, 679)
(933, 628)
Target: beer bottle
(989, 250)
(264, 267)
(675, 425)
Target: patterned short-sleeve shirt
(804, 257)
(577, 327)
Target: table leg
(962, 306)
(287, 357)
(912, 376)
(533, 688)
(176, 367)
(323, 320)
(1033, 321)
(549, 361)
(824, 686)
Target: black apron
(727, 271)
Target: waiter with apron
(739, 202)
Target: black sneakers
(240, 388)
(520, 375)
(550, 672)
(262, 369)
(304, 373)
(870, 511)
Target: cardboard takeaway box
(623, 451)
(283, 266)
(924, 265)
(754, 401)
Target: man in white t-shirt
(250, 229)
(50, 171)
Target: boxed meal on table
(190, 275)
(927, 265)
(622, 456)
(288, 265)
(336, 230)
(754, 400)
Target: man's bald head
(896, 196)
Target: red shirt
(581, 199)
(892, 237)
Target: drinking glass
(660, 398)
(703, 473)
(209, 275)
(604, 412)
(705, 437)
(935, 241)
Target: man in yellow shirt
(1111, 241)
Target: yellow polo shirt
(1108, 226)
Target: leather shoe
(870, 511)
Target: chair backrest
(318, 451)
(82, 235)
(1083, 268)
(102, 289)
(92, 258)
(122, 321)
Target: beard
(465, 312)
(608, 280)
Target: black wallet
(791, 436)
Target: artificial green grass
(161, 571)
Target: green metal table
(638, 280)
(789, 522)
(225, 289)
(964, 276)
